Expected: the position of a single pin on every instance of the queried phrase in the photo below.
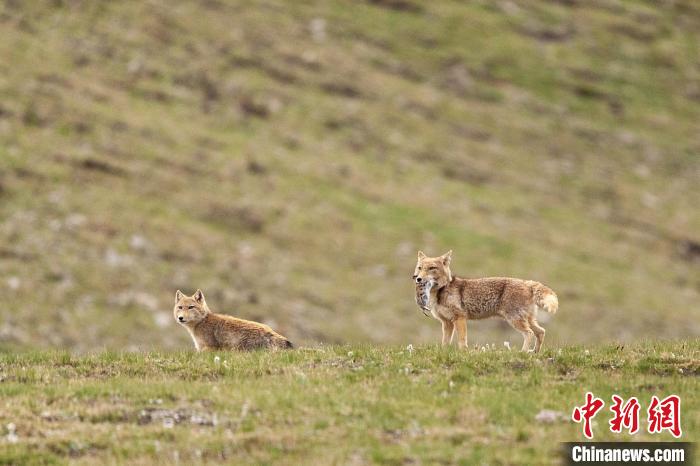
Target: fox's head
(433, 269)
(190, 310)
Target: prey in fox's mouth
(423, 295)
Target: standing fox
(454, 300)
(212, 331)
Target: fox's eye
(179, 307)
(190, 307)
(419, 268)
(433, 268)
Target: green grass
(293, 175)
(290, 158)
(328, 405)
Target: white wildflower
(244, 409)
(507, 345)
(11, 434)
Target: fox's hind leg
(461, 327)
(521, 325)
(539, 333)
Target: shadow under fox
(454, 300)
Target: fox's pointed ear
(421, 255)
(198, 296)
(179, 295)
(447, 258)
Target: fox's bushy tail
(545, 298)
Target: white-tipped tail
(544, 297)
(550, 303)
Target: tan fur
(212, 331)
(454, 300)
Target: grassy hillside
(389, 405)
(289, 158)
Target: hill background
(290, 158)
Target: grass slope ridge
(289, 158)
(360, 404)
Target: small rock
(138, 242)
(14, 283)
(134, 66)
(114, 259)
(548, 416)
(317, 26)
(161, 319)
(75, 220)
(650, 200)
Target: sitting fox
(212, 331)
(454, 300)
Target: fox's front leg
(447, 332)
(461, 326)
